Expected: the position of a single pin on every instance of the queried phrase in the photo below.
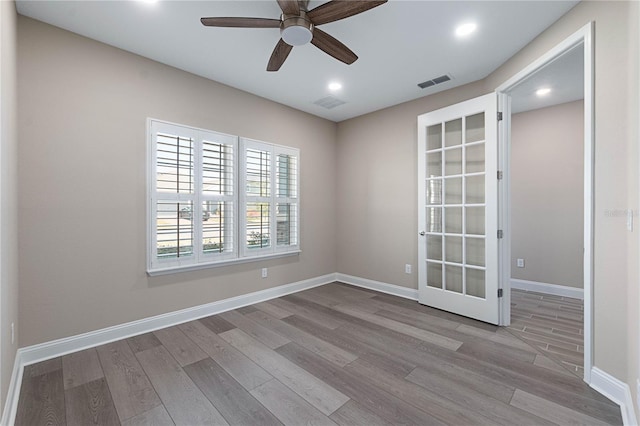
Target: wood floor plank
(325, 349)
(181, 397)
(43, 367)
(143, 342)
(272, 310)
(545, 362)
(288, 406)
(241, 368)
(372, 397)
(432, 403)
(315, 391)
(90, 404)
(352, 413)
(498, 412)
(255, 330)
(217, 324)
(183, 349)
(131, 390)
(41, 400)
(303, 311)
(233, 401)
(157, 416)
(399, 327)
(551, 411)
(81, 367)
(495, 353)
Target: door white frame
(584, 36)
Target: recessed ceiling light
(466, 29)
(334, 86)
(543, 92)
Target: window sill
(199, 266)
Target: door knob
(422, 233)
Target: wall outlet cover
(264, 273)
(407, 269)
(520, 263)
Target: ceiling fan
(299, 26)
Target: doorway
(576, 51)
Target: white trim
(55, 348)
(547, 288)
(394, 290)
(583, 35)
(617, 391)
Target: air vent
(434, 81)
(329, 102)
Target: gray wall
(82, 112)
(8, 193)
(547, 194)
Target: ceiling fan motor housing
(296, 30)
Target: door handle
(422, 233)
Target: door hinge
(499, 292)
(499, 175)
(499, 116)
(500, 233)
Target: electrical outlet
(13, 333)
(264, 273)
(520, 263)
(407, 269)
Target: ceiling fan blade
(289, 7)
(333, 47)
(279, 55)
(340, 9)
(241, 22)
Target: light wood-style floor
(331, 355)
(552, 324)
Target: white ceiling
(564, 76)
(400, 44)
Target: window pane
(258, 228)
(453, 132)
(453, 161)
(434, 274)
(453, 280)
(217, 227)
(434, 191)
(174, 164)
(217, 168)
(286, 225)
(286, 176)
(258, 173)
(475, 282)
(475, 128)
(174, 227)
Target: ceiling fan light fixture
(296, 30)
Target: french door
(458, 209)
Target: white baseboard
(395, 290)
(557, 290)
(44, 351)
(617, 391)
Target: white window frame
(239, 252)
(272, 199)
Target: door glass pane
(475, 128)
(453, 132)
(475, 189)
(453, 188)
(453, 161)
(434, 247)
(453, 278)
(475, 282)
(434, 164)
(453, 248)
(453, 220)
(475, 158)
(434, 137)
(475, 251)
(434, 274)
(434, 219)
(434, 191)
(475, 220)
